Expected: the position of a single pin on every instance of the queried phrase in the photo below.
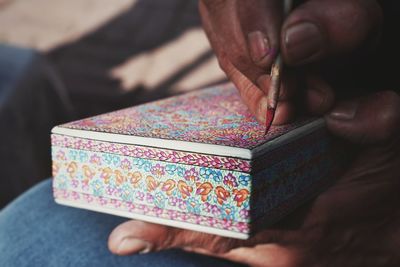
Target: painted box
(198, 161)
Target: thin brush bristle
(269, 119)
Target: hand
(246, 37)
(356, 222)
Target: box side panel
(145, 152)
(114, 176)
(295, 173)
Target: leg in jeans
(34, 231)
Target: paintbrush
(275, 83)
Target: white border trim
(179, 224)
(218, 150)
(156, 142)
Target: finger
(288, 88)
(371, 119)
(135, 237)
(247, 30)
(285, 112)
(252, 96)
(325, 28)
(265, 255)
(261, 22)
(320, 97)
(141, 237)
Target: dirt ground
(113, 54)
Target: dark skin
(356, 221)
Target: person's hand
(247, 35)
(356, 222)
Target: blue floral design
(138, 162)
(107, 158)
(228, 212)
(210, 174)
(73, 154)
(83, 156)
(127, 193)
(216, 175)
(180, 171)
(97, 186)
(193, 205)
(244, 179)
(116, 160)
(147, 166)
(170, 169)
(160, 200)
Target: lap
(34, 231)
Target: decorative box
(197, 161)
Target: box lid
(210, 121)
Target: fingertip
(135, 237)
(261, 52)
(285, 113)
(319, 97)
(319, 29)
(368, 120)
(302, 42)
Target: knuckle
(242, 62)
(390, 115)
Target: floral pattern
(203, 160)
(210, 190)
(212, 116)
(151, 182)
(155, 211)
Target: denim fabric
(32, 101)
(34, 231)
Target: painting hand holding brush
(275, 83)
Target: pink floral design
(147, 153)
(158, 170)
(191, 175)
(95, 159)
(125, 164)
(184, 117)
(230, 180)
(77, 197)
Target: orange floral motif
(185, 189)
(55, 168)
(204, 189)
(152, 184)
(119, 177)
(88, 172)
(168, 186)
(106, 175)
(240, 196)
(72, 168)
(135, 178)
(222, 194)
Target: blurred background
(67, 59)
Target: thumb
(135, 237)
(370, 119)
(141, 237)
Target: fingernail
(303, 41)
(259, 46)
(344, 111)
(133, 245)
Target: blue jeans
(34, 231)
